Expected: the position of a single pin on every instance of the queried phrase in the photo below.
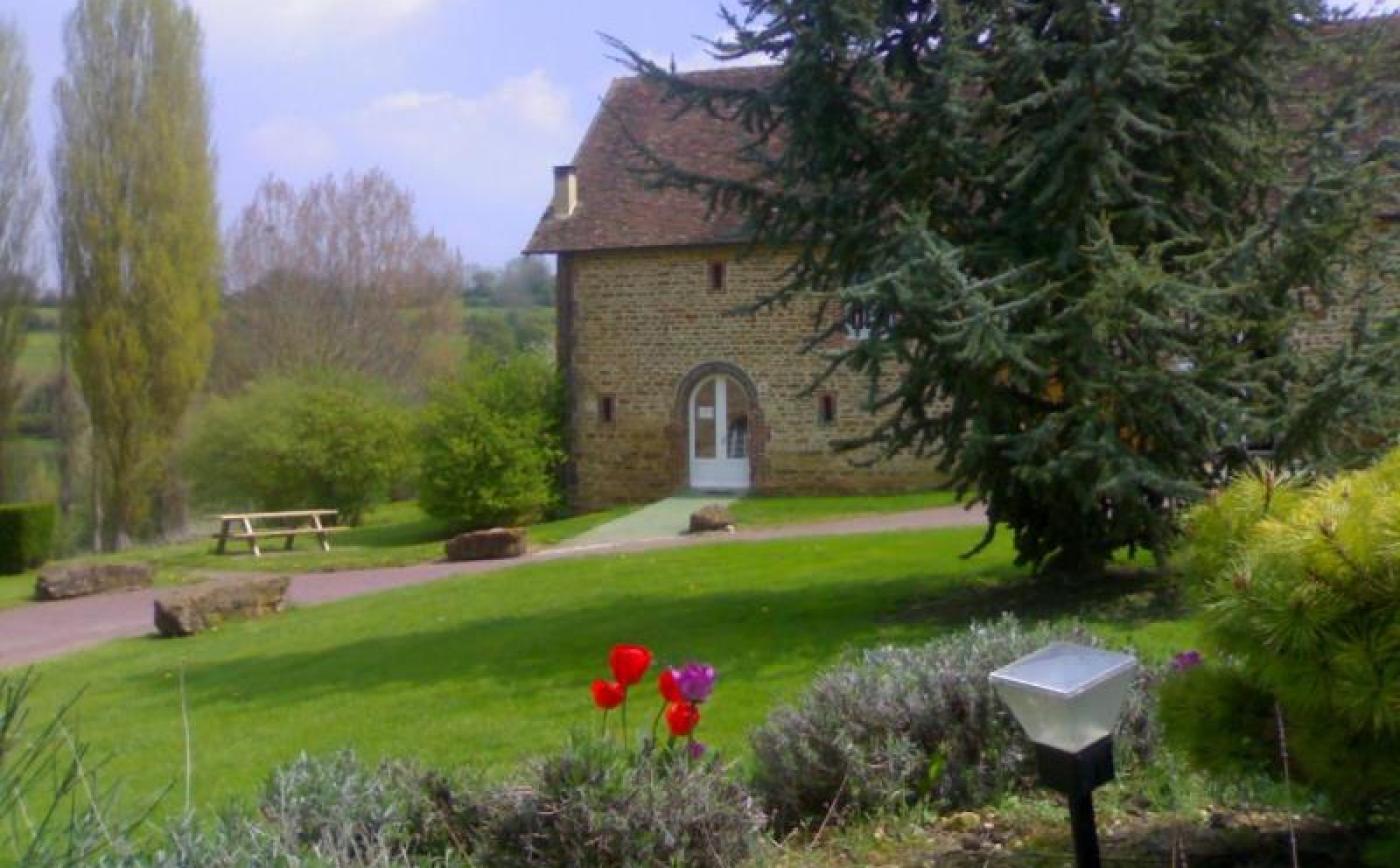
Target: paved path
(667, 517)
(30, 633)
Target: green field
(392, 535)
(38, 361)
(490, 669)
(761, 511)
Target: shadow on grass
(1130, 598)
(743, 633)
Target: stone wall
(640, 327)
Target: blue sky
(468, 103)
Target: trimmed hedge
(26, 535)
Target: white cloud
(498, 144)
(302, 27)
(293, 146)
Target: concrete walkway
(39, 631)
(665, 518)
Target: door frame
(681, 423)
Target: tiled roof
(615, 207)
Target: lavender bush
(899, 725)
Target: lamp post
(1067, 698)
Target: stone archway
(717, 429)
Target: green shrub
(490, 444)
(1301, 596)
(597, 804)
(590, 804)
(326, 442)
(1219, 721)
(26, 535)
(899, 725)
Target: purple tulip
(696, 681)
(1186, 660)
(696, 749)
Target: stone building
(669, 386)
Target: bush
(328, 442)
(592, 804)
(899, 725)
(1219, 721)
(1301, 597)
(597, 804)
(490, 444)
(26, 535)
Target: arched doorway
(720, 434)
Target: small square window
(826, 409)
(717, 276)
(607, 409)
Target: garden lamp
(1068, 697)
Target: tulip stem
(605, 723)
(656, 721)
(624, 721)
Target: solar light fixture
(1067, 698)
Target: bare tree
(19, 203)
(334, 276)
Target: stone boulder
(61, 581)
(710, 518)
(203, 606)
(480, 545)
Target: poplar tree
(19, 204)
(1085, 232)
(138, 239)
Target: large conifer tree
(1085, 230)
(138, 238)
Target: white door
(719, 435)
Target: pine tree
(1085, 228)
(19, 204)
(138, 238)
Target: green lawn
(763, 511)
(392, 535)
(38, 361)
(491, 669)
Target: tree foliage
(1084, 229)
(138, 238)
(1301, 593)
(19, 205)
(490, 443)
(335, 276)
(324, 441)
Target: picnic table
(290, 524)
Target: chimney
(565, 191)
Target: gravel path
(38, 631)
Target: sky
(467, 103)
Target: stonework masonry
(642, 327)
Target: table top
(294, 513)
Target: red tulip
(669, 687)
(682, 718)
(608, 694)
(629, 663)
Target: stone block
(711, 517)
(62, 581)
(479, 545)
(199, 607)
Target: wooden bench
(239, 526)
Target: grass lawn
(763, 511)
(38, 361)
(392, 535)
(488, 670)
